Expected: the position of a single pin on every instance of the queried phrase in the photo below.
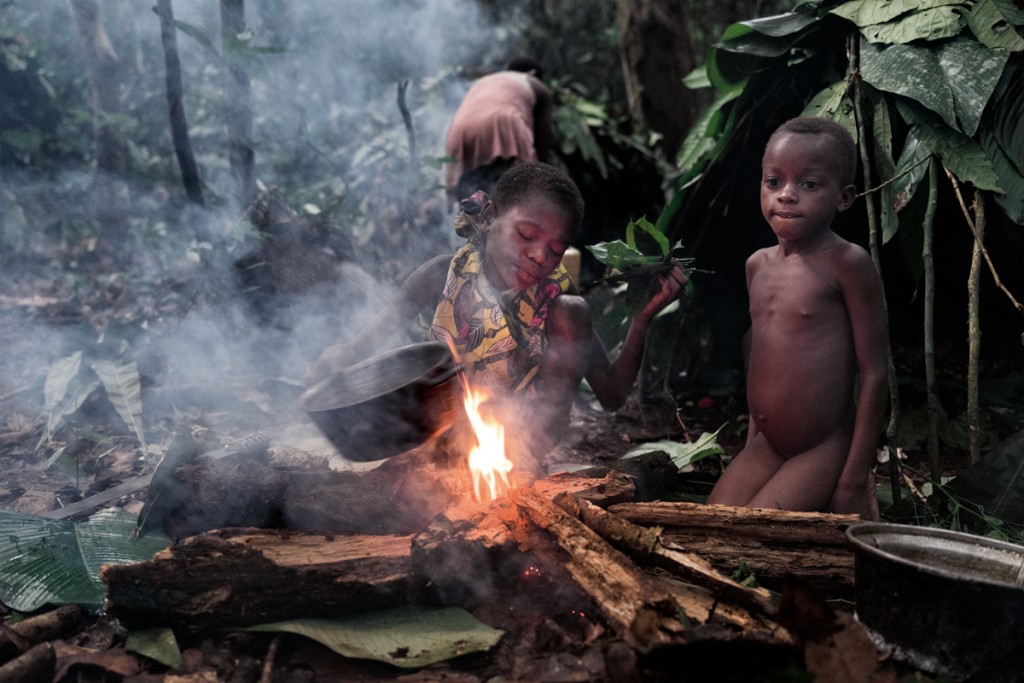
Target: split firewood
(250, 576)
(646, 545)
(21, 636)
(772, 544)
(643, 608)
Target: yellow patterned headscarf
(499, 337)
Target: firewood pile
(587, 583)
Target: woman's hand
(669, 287)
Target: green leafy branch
(637, 268)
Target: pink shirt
(494, 121)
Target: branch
(984, 250)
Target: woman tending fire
(516, 323)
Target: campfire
(487, 461)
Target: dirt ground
(220, 399)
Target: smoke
(326, 130)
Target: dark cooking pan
(386, 404)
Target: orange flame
(487, 461)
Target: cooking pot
(386, 404)
(946, 602)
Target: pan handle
(442, 377)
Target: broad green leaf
(79, 389)
(1001, 135)
(911, 71)
(869, 12)
(682, 454)
(992, 22)
(649, 228)
(617, 254)
(701, 140)
(972, 72)
(124, 390)
(58, 378)
(959, 153)
(406, 638)
(159, 644)
(697, 79)
(827, 102)
(930, 24)
(910, 170)
(55, 562)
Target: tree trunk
(110, 148)
(176, 108)
(238, 97)
(656, 53)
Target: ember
(487, 460)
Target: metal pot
(946, 602)
(386, 404)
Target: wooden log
(470, 551)
(646, 546)
(641, 607)
(773, 544)
(249, 576)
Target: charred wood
(250, 576)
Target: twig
(407, 120)
(984, 251)
(892, 180)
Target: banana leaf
(56, 562)
(407, 638)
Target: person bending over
(817, 320)
(516, 321)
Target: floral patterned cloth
(498, 336)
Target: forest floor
(46, 314)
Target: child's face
(801, 189)
(526, 243)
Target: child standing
(818, 319)
(511, 312)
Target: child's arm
(422, 288)
(612, 381)
(862, 293)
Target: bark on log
(773, 544)
(250, 576)
(642, 608)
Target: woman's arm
(612, 381)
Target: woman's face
(526, 243)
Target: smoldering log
(469, 552)
(241, 577)
(400, 496)
(235, 577)
(773, 544)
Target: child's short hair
(845, 147)
(517, 184)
